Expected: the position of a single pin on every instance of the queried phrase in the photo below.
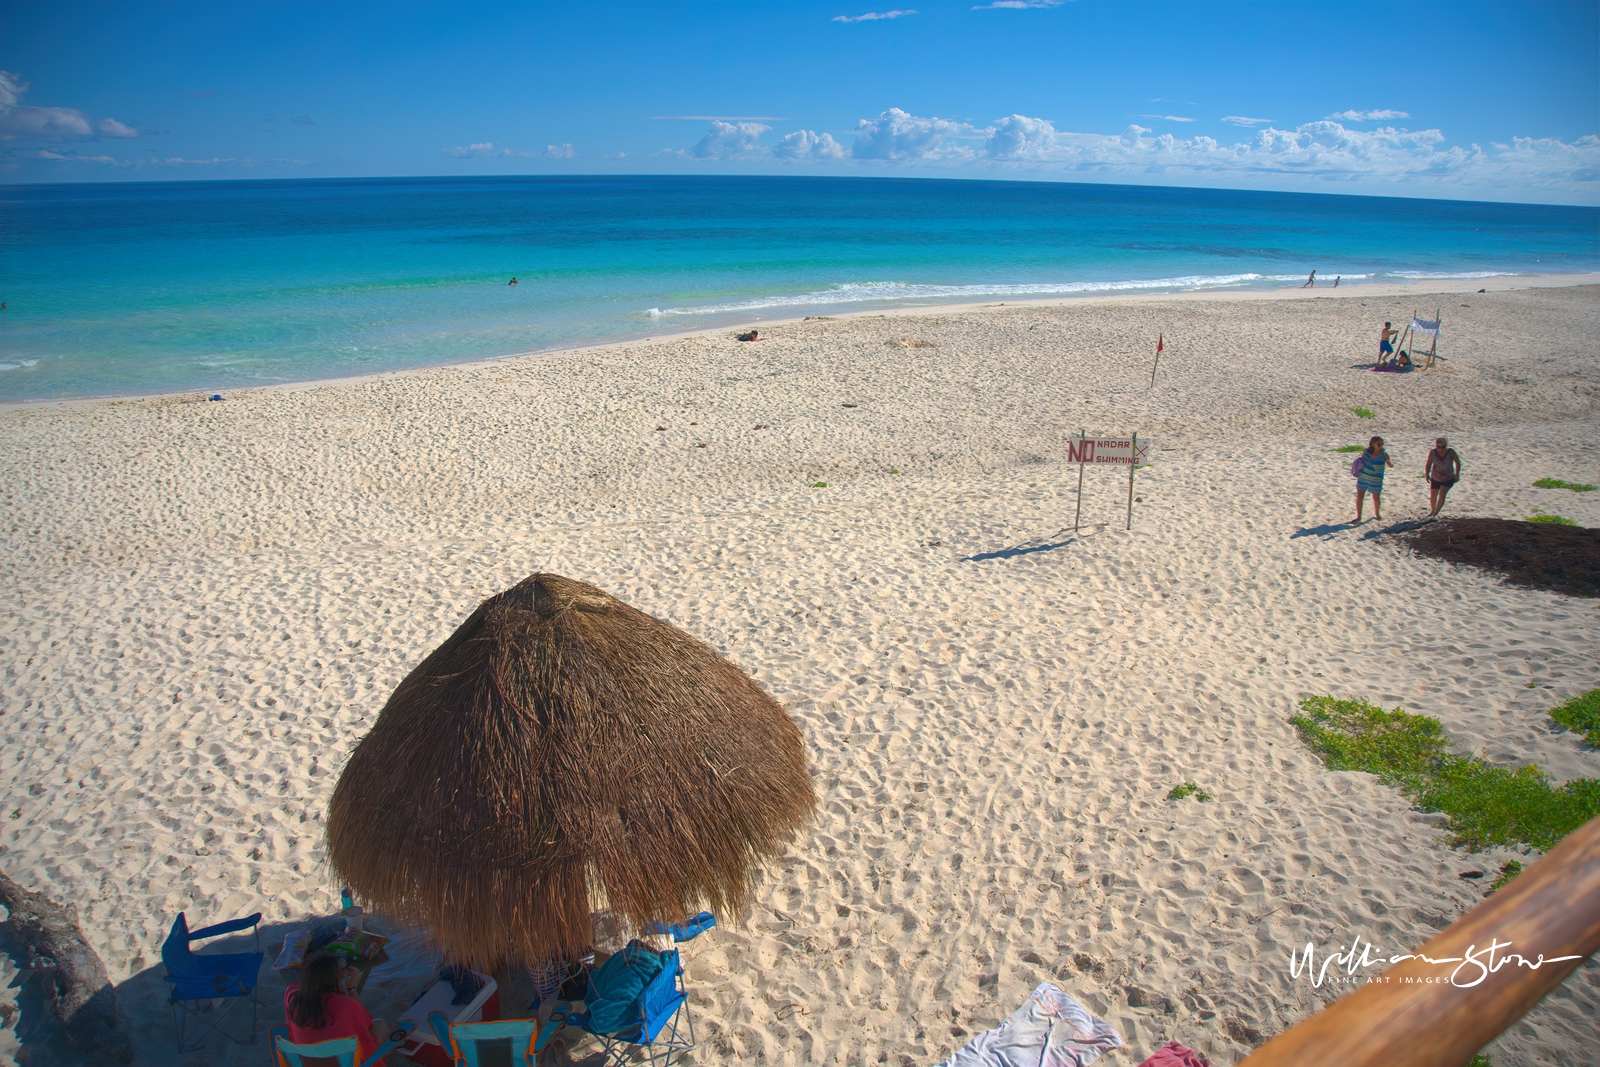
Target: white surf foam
(886, 292)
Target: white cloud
(894, 134)
(54, 124)
(1316, 155)
(1167, 118)
(1367, 116)
(1018, 5)
(43, 123)
(807, 144)
(731, 140)
(487, 148)
(874, 16)
(1019, 137)
(1241, 120)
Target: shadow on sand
(1019, 550)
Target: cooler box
(423, 1047)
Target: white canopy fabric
(1424, 326)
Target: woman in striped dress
(1369, 477)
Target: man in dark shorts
(1442, 469)
(1384, 347)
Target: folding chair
(657, 1024)
(196, 979)
(340, 1051)
(463, 1041)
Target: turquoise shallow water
(117, 289)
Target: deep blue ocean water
(115, 289)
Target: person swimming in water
(513, 281)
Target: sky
(1479, 101)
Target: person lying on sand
(753, 335)
(1368, 469)
(1442, 469)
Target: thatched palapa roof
(560, 752)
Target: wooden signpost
(1128, 450)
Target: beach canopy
(559, 753)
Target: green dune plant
(1349, 448)
(1557, 483)
(1487, 805)
(1581, 715)
(1508, 871)
(1365, 413)
(1550, 520)
(1189, 789)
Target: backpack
(1356, 465)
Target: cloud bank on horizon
(1324, 150)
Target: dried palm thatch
(562, 751)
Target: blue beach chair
(638, 1004)
(463, 1042)
(198, 980)
(340, 1052)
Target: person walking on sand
(1443, 470)
(1368, 469)
(1310, 281)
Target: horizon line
(806, 177)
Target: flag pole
(1160, 338)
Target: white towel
(1424, 326)
(1049, 1030)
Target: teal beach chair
(464, 1042)
(340, 1052)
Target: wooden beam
(1552, 908)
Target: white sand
(207, 604)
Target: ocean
(135, 288)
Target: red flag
(1160, 339)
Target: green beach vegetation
(1487, 805)
(1365, 413)
(1581, 715)
(1349, 448)
(1550, 520)
(1188, 789)
(1508, 871)
(1557, 483)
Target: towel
(1173, 1054)
(1049, 1030)
(1425, 326)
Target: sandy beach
(207, 604)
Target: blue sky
(1462, 100)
